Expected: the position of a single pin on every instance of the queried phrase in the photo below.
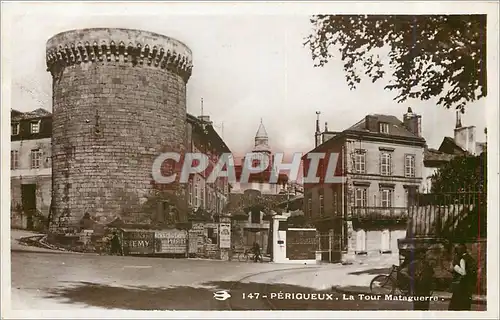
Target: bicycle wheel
(243, 257)
(382, 284)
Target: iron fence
(329, 246)
(455, 216)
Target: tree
(467, 173)
(462, 182)
(442, 56)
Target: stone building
(206, 201)
(249, 201)
(30, 168)
(261, 151)
(381, 159)
(119, 101)
(202, 138)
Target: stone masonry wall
(119, 101)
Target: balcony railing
(379, 213)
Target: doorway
(28, 199)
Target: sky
(246, 67)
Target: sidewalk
(16, 246)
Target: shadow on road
(372, 271)
(134, 298)
(202, 298)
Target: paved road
(62, 281)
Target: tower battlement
(123, 46)
(119, 100)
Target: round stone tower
(119, 100)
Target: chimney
(465, 138)
(458, 124)
(317, 135)
(413, 122)
(371, 123)
(324, 133)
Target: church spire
(261, 138)
(261, 132)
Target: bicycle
(247, 255)
(389, 282)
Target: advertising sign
(138, 242)
(171, 241)
(193, 242)
(86, 236)
(301, 244)
(225, 235)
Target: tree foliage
(242, 203)
(462, 181)
(461, 174)
(430, 56)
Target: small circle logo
(222, 295)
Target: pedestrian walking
(116, 247)
(256, 251)
(422, 274)
(464, 271)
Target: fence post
(330, 236)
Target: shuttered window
(386, 198)
(385, 164)
(360, 161)
(360, 196)
(410, 165)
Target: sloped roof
(261, 132)
(433, 155)
(37, 113)
(207, 134)
(397, 129)
(449, 143)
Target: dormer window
(383, 127)
(35, 126)
(15, 129)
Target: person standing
(256, 251)
(464, 278)
(423, 275)
(116, 247)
